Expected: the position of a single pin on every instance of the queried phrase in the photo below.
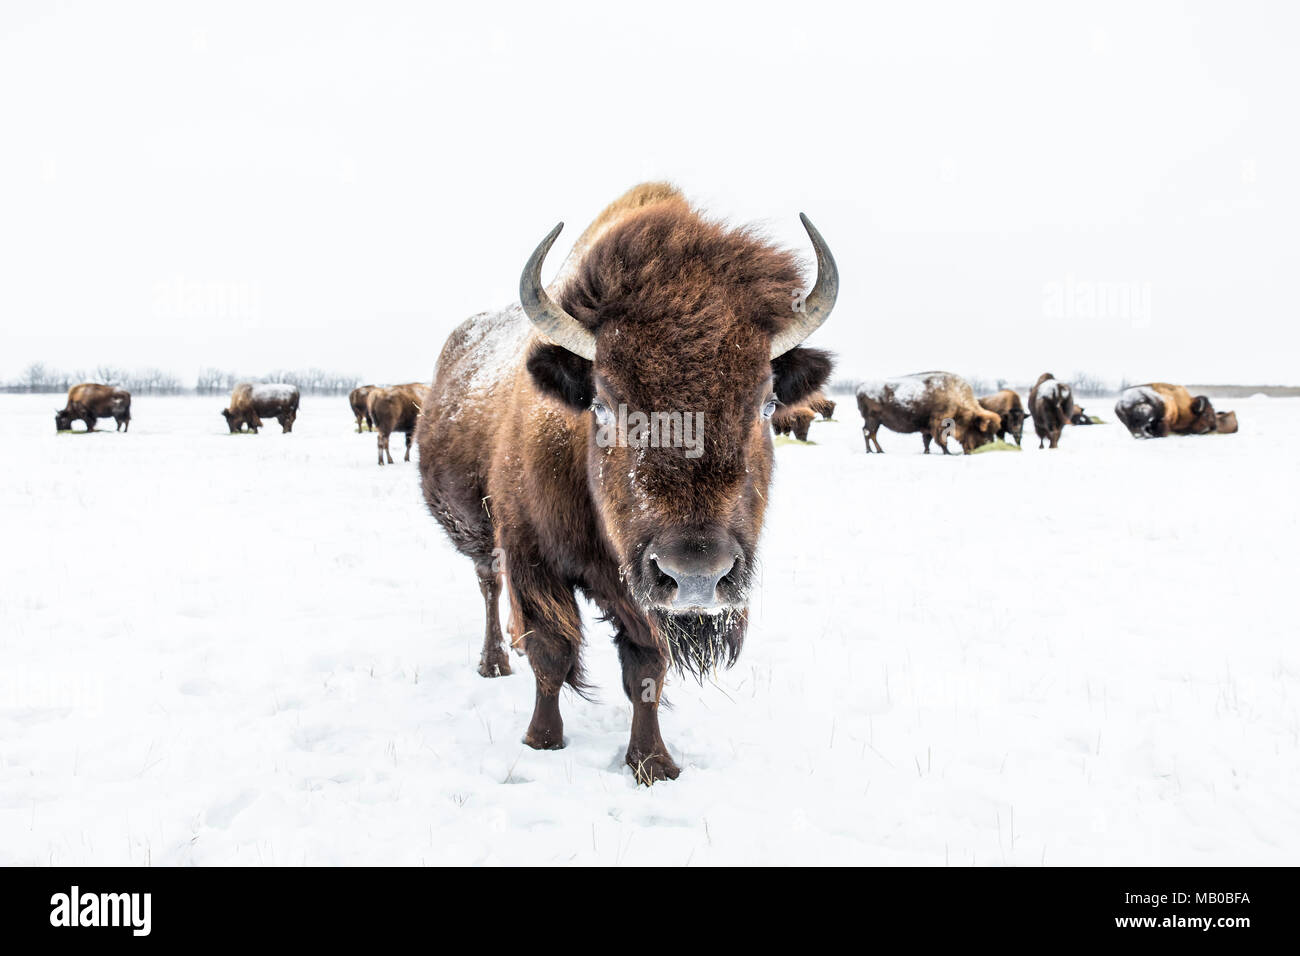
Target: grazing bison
(793, 418)
(249, 404)
(395, 409)
(357, 399)
(1225, 422)
(1051, 403)
(936, 404)
(1159, 409)
(1006, 405)
(821, 405)
(90, 402)
(609, 436)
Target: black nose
(695, 567)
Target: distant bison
(395, 409)
(1226, 422)
(1080, 417)
(249, 404)
(357, 399)
(1159, 409)
(1006, 405)
(90, 402)
(936, 404)
(1051, 403)
(793, 418)
(821, 405)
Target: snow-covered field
(223, 649)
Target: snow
(907, 390)
(273, 391)
(261, 649)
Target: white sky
(1008, 189)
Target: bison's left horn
(552, 321)
(815, 308)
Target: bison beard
(698, 644)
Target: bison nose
(695, 572)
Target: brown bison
(395, 409)
(1011, 414)
(609, 436)
(1159, 409)
(1225, 423)
(357, 399)
(90, 402)
(1051, 403)
(1081, 417)
(821, 405)
(793, 418)
(939, 405)
(249, 404)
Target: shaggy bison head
(1204, 419)
(63, 418)
(679, 337)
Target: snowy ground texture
(260, 650)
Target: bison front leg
(552, 637)
(493, 662)
(644, 669)
(925, 441)
(410, 437)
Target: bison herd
(656, 308)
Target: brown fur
(357, 400)
(821, 405)
(793, 418)
(395, 409)
(248, 407)
(1181, 416)
(1051, 408)
(1011, 414)
(90, 402)
(945, 407)
(513, 468)
(1226, 422)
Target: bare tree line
(39, 377)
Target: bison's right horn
(815, 308)
(552, 321)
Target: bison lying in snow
(1160, 409)
(1051, 403)
(1080, 417)
(1006, 405)
(523, 456)
(939, 405)
(395, 409)
(90, 402)
(793, 418)
(249, 404)
(357, 399)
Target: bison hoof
(544, 739)
(651, 768)
(494, 664)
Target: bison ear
(561, 374)
(1199, 404)
(799, 372)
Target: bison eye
(769, 409)
(603, 415)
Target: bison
(357, 399)
(1051, 403)
(1011, 414)
(1159, 409)
(821, 405)
(395, 409)
(608, 436)
(793, 418)
(1225, 423)
(90, 402)
(1080, 417)
(249, 404)
(936, 404)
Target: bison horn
(551, 320)
(814, 308)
